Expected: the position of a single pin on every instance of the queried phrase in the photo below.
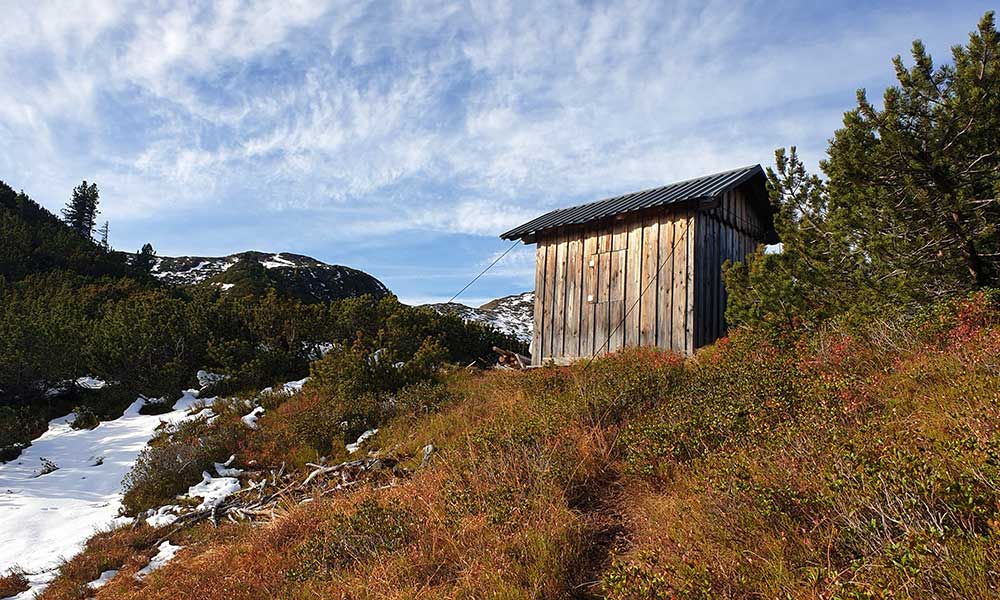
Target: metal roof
(706, 187)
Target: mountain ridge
(513, 314)
(304, 277)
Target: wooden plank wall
(587, 280)
(729, 232)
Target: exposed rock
(301, 276)
(513, 315)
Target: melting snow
(289, 388)
(104, 578)
(224, 470)
(250, 420)
(165, 515)
(166, 552)
(90, 383)
(205, 378)
(276, 262)
(352, 448)
(513, 315)
(48, 518)
(213, 490)
(205, 269)
(322, 349)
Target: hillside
(35, 241)
(303, 277)
(826, 465)
(513, 315)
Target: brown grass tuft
(13, 583)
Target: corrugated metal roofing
(699, 188)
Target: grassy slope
(838, 465)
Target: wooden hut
(643, 268)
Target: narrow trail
(605, 527)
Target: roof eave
(527, 232)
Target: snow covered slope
(47, 515)
(513, 315)
(301, 276)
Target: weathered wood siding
(730, 231)
(587, 280)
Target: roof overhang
(701, 193)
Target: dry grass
(837, 466)
(13, 583)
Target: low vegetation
(835, 464)
(13, 583)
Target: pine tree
(145, 259)
(918, 182)
(910, 210)
(81, 211)
(103, 235)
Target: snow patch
(512, 315)
(166, 551)
(276, 262)
(165, 515)
(224, 470)
(250, 420)
(182, 273)
(46, 519)
(289, 388)
(213, 490)
(352, 448)
(206, 379)
(322, 349)
(103, 579)
(91, 383)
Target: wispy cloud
(359, 123)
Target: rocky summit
(301, 276)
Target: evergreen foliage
(81, 211)
(910, 210)
(33, 240)
(145, 259)
(102, 236)
(69, 308)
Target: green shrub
(736, 392)
(320, 425)
(18, 426)
(625, 383)
(631, 581)
(85, 418)
(175, 460)
(422, 398)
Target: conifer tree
(81, 211)
(910, 210)
(145, 258)
(103, 236)
(917, 182)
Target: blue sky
(402, 138)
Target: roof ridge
(544, 221)
(658, 187)
(673, 183)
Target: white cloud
(459, 117)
